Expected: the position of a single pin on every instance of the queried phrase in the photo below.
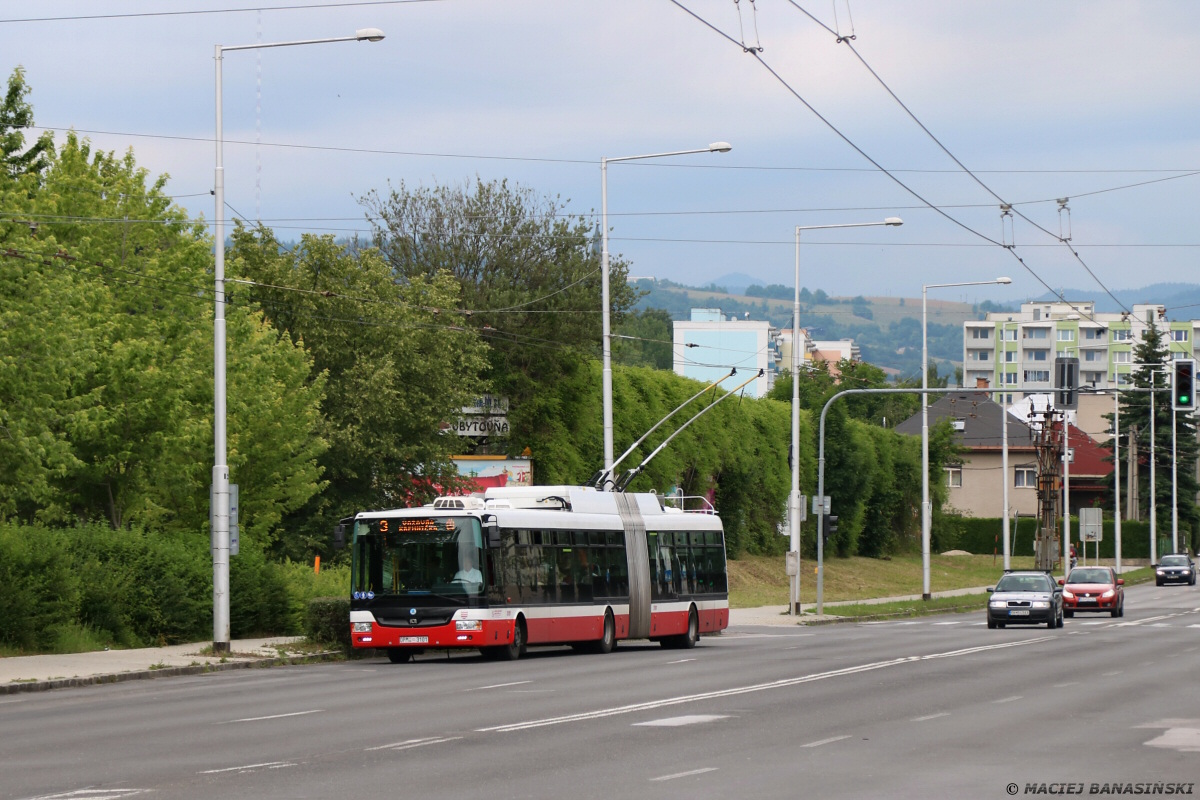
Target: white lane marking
(1064, 685)
(274, 716)
(928, 717)
(826, 741)
(92, 794)
(675, 722)
(956, 622)
(248, 767)
(411, 743)
(498, 686)
(758, 687)
(680, 661)
(1008, 699)
(685, 774)
(1143, 621)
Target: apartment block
(1015, 351)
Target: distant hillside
(887, 329)
(1184, 298)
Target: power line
(197, 12)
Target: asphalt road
(937, 707)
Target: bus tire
(688, 640)
(399, 655)
(516, 648)
(608, 640)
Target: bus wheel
(689, 639)
(608, 641)
(516, 648)
(398, 655)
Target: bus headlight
(362, 627)
(467, 625)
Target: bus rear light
(362, 627)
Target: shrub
(39, 590)
(328, 621)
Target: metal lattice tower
(1048, 442)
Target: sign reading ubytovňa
(486, 416)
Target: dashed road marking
(831, 739)
(687, 774)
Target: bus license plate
(1019, 612)
(414, 640)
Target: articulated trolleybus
(542, 565)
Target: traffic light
(1066, 383)
(1183, 385)
(828, 527)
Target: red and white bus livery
(538, 565)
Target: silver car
(1025, 597)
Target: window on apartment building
(1036, 355)
(1010, 356)
(1010, 378)
(1179, 336)
(1122, 334)
(1036, 333)
(1093, 378)
(981, 333)
(1066, 335)
(1025, 478)
(981, 355)
(1121, 356)
(1093, 355)
(1093, 334)
(1010, 334)
(953, 477)
(1037, 376)
(1121, 378)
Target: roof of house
(980, 418)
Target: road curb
(18, 687)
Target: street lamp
(220, 479)
(926, 509)
(606, 372)
(794, 496)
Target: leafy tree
(15, 115)
(644, 339)
(398, 362)
(110, 400)
(528, 272)
(1153, 360)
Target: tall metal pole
(794, 495)
(1174, 482)
(1153, 491)
(220, 473)
(605, 290)
(926, 510)
(926, 506)
(1066, 547)
(1005, 478)
(1117, 475)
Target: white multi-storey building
(1015, 351)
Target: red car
(1093, 589)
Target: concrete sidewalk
(38, 673)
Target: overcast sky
(1092, 100)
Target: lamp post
(794, 495)
(220, 476)
(1004, 480)
(926, 509)
(606, 344)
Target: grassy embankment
(760, 581)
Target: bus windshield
(417, 556)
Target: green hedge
(136, 588)
(328, 621)
(983, 535)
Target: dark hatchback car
(1176, 568)
(1025, 597)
